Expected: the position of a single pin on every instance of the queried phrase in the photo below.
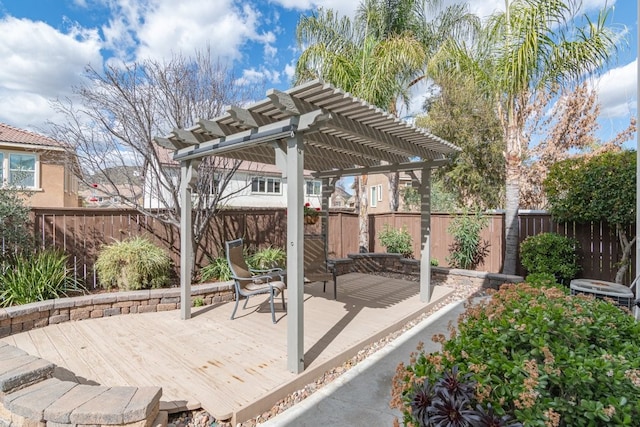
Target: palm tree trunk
(394, 193)
(512, 200)
(363, 216)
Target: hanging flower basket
(311, 215)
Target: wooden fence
(82, 232)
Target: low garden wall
(39, 314)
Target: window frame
(267, 180)
(6, 171)
(313, 184)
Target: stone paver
(31, 401)
(108, 408)
(60, 411)
(142, 404)
(25, 374)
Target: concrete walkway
(361, 396)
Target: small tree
(15, 236)
(599, 188)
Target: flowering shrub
(540, 355)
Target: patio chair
(316, 266)
(249, 282)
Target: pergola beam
(400, 167)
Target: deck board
(229, 366)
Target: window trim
(373, 196)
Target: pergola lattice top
(341, 132)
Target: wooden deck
(232, 368)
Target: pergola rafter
(316, 127)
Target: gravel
(201, 418)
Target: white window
(19, 169)
(374, 196)
(314, 188)
(262, 185)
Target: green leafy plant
(45, 275)
(597, 188)
(397, 241)
(539, 355)
(467, 250)
(267, 258)
(434, 262)
(217, 270)
(550, 253)
(133, 264)
(15, 237)
(198, 302)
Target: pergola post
(295, 254)
(187, 175)
(425, 233)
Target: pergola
(316, 127)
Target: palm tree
(377, 56)
(531, 48)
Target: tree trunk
(512, 200)
(626, 246)
(394, 193)
(363, 216)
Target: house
(378, 194)
(252, 185)
(38, 165)
(113, 187)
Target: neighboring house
(253, 185)
(39, 166)
(112, 187)
(378, 194)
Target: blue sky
(45, 44)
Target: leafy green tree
(595, 189)
(532, 47)
(461, 115)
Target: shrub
(396, 241)
(540, 355)
(15, 235)
(550, 253)
(217, 270)
(467, 250)
(133, 264)
(268, 258)
(45, 275)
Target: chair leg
(283, 306)
(324, 286)
(273, 309)
(235, 307)
(246, 300)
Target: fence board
(82, 232)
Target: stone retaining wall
(395, 263)
(31, 396)
(36, 315)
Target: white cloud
(252, 76)
(40, 63)
(617, 90)
(344, 7)
(157, 29)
